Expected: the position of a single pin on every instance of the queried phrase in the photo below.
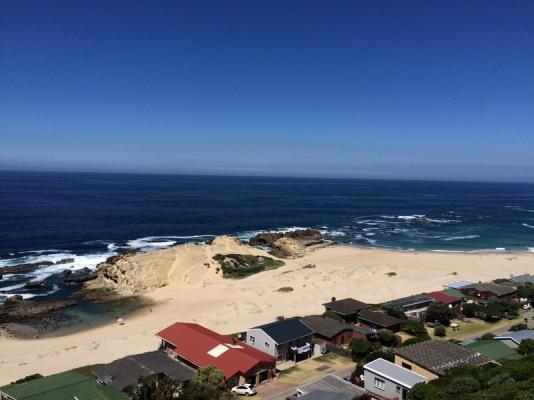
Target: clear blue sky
(400, 89)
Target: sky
(364, 89)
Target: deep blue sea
(88, 217)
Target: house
(433, 358)
(514, 339)
(63, 386)
(525, 278)
(347, 309)
(413, 305)
(379, 320)
(445, 298)
(486, 291)
(337, 333)
(199, 347)
(457, 284)
(123, 373)
(494, 349)
(385, 380)
(287, 339)
(332, 384)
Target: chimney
(333, 299)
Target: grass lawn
(315, 368)
(472, 328)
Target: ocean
(88, 217)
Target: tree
(518, 327)
(423, 391)
(387, 338)
(208, 384)
(142, 390)
(487, 336)
(394, 311)
(439, 312)
(463, 385)
(388, 355)
(440, 330)
(361, 348)
(526, 347)
(415, 328)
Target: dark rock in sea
(34, 285)
(1, 277)
(66, 272)
(25, 267)
(65, 261)
(86, 269)
(80, 277)
(306, 236)
(16, 308)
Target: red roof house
(444, 298)
(199, 347)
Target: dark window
(407, 366)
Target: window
(267, 345)
(407, 366)
(398, 389)
(252, 340)
(380, 384)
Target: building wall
(259, 343)
(340, 339)
(415, 368)
(390, 388)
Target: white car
(244, 390)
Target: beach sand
(229, 306)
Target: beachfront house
(525, 279)
(413, 306)
(199, 347)
(335, 333)
(485, 291)
(378, 320)
(124, 373)
(433, 358)
(347, 309)
(386, 381)
(65, 385)
(332, 384)
(286, 340)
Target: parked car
(245, 389)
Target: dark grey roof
(324, 395)
(286, 330)
(394, 373)
(346, 306)
(125, 371)
(438, 356)
(498, 290)
(419, 299)
(525, 278)
(333, 384)
(379, 318)
(329, 328)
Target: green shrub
(285, 289)
(526, 347)
(487, 336)
(438, 312)
(332, 315)
(415, 340)
(415, 328)
(393, 310)
(463, 385)
(440, 330)
(518, 327)
(241, 265)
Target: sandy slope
(195, 294)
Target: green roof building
(454, 293)
(494, 349)
(64, 386)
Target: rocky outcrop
(16, 308)
(65, 261)
(25, 267)
(287, 248)
(289, 244)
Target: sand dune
(196, 293)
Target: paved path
(275, 390)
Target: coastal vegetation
(285, 289)
(513, 380)
(238, 266)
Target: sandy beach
(195, 293)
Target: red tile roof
(203, 347)
(444, 298)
